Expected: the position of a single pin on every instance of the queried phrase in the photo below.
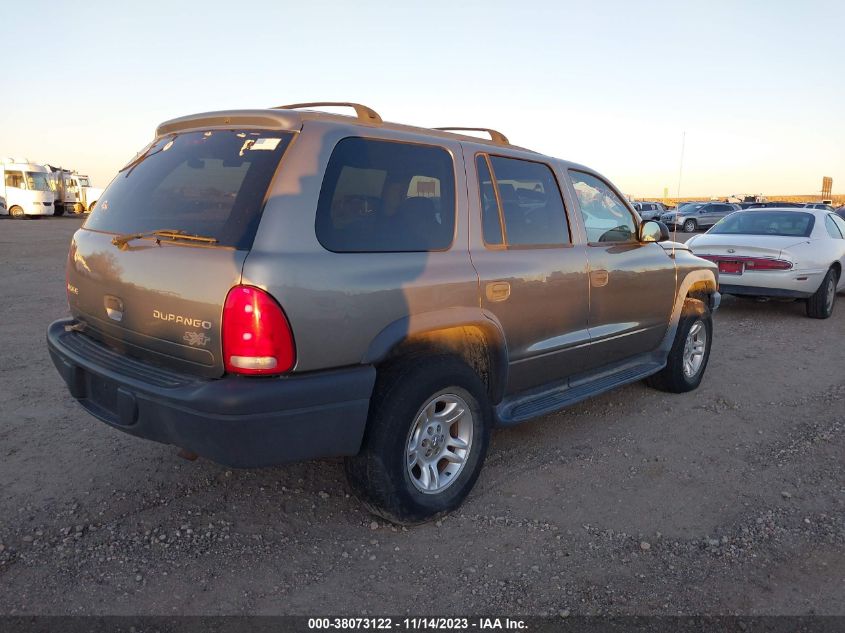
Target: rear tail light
(752, 263)
(761, 263)
(257, 339)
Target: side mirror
(653, 231)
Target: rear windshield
(208, 183)
(787, 223)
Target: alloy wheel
(694, 349)
(439, 443)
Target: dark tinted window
(531, 204)
(205, 183)
(788, 223)
(382, 196)
(606, 217)
(490, 221)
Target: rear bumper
(758, 291)
(796, 284)
(237, 421)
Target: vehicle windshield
(83, 182)
(690, 206)
(784, 223)
(37, 181)
(209, 183)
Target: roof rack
(362, 112)
(495, 136)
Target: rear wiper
(168, 234)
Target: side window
(832, 227)
(529, 204)
(384, 196)
(606, 218)
(14, 179)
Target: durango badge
(180, 319)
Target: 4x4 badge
(197, 339)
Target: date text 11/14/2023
(416, 623)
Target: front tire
(688, 357)
(426, 440)
(820, 305)
(690, 226)
(16, 212)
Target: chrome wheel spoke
(455, 414)
(449, 456)
(456, 442)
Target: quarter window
(606, 217)
(832, 227)
(384, 196)
(521, 204)
(839, 222)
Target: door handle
(599, 278)
(498, 290)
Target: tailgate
(160, 302)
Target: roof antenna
(678, 204)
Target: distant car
(697, 216)
(777, 205)
(651, 210)
(840, 211)
(818, 205)
(779, 253)
(3, 209)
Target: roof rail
(495, 136)
(363, 112)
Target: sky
(754, 89)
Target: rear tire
(690, 350)
(820, 305)
(16, 212)
(91, 206)
(404, 414)
(690, 226)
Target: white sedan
(773, 252)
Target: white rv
(26, 188)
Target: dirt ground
(730, 499)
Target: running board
(524, 406)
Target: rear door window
(387, 196)
(209, 183)
(606, 217)
(521, 203)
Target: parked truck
(74, 193)
(26, 188)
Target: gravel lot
(726, 500)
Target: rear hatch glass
(209, 183)
(161, 299)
